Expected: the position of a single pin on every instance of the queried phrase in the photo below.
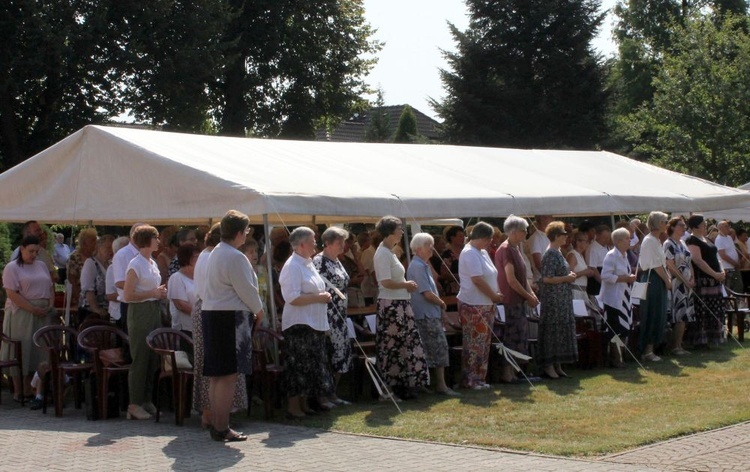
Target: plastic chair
(737, 313)
(16, 361)
(62, 361)
(265, 370)
(165, 342)
(95, 339)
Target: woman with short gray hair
(519, 298)
(428, 310)
(304, 323)
(615, 293)
(655, 221)
(653, 265)
(515, 223)
(337, 279)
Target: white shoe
(135, 412)
(651, 357)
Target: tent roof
(122, 175)
(733, 214)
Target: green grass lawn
(595, 412)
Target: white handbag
(640, 289)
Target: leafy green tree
(174, 60)
(267, 67)
(294, 65)
(699, 119)
(643, 33)
(646, 30)
(407, 127)
(60, 70)
(379, 129)
(5, 247)
(525, 75)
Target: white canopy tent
(733, 214)
(111, 175)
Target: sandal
(227, 435)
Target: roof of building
(355, 128)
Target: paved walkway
(33, 441)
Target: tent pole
(612, 221)
(406, 242)
(269, 280)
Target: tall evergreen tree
(525, 75)
(407, 127)
(379, 129)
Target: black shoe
(227, 435)
(36, 403)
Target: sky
(414, 32)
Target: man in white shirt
(538, 243)
(595, 254)
(120, 263)
(60, 255)
(634, 239)
(230, 295)
(729, 257)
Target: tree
(60, 70)
(645, 32)
(174, 61)
(407, 127)
(699, 119)
(379, 129)
(525, 75)
(267, 67)
(294, 65)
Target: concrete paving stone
(32, 441)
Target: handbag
(640, 289)
(114, 357)
(181, 359)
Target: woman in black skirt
(230, 303)
(305, 323)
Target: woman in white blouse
(653, 266)
(577, 264)
(478, 296)
(615, 293)
(142, 293)
(304, 322)
(400, 356)
(181, 289)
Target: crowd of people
(211, 284)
